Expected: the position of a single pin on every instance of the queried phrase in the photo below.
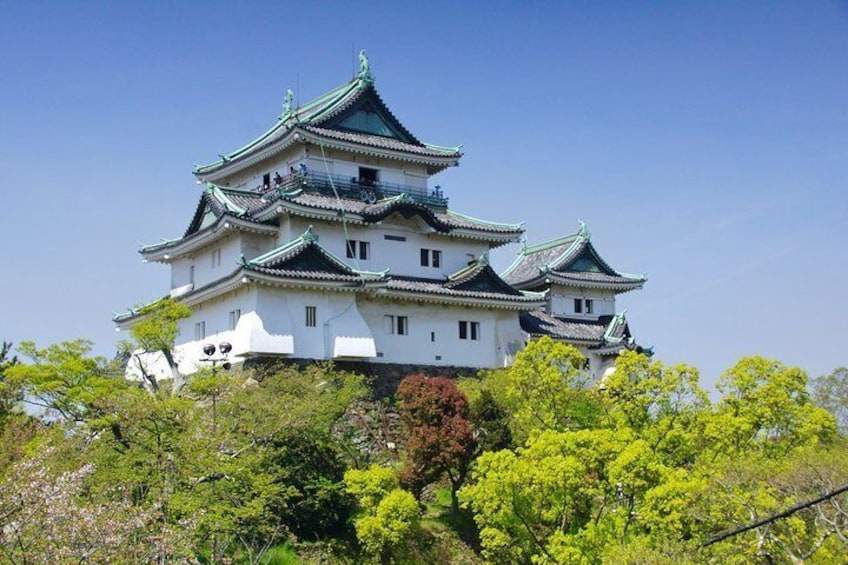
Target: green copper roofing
(481, 261)
(516, 227)
(228, 204)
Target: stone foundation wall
(384, 377)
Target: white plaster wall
(334, 161)
(402, 257)
(251, 178)
(231, 247)
(500, 334)
(562, 302)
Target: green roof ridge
(231, 206)
(162, 243)
(530, 249)
(486, 222)
(481, 261)
(616, 319)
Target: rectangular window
(357, 249)
(234, 318)
(578, 305)
(311, 316)
(191, 275)
(397, 325)
(589, 306)
(431, 258)
(469, 330)
(266, 181)
(394, 237)
(199, 331)
(216, 258)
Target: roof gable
(368, 114)
(479, 276)
(585, 259)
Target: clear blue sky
(704, 143)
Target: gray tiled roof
(380, 142)
(571, 259)
(537, 322)
(425, 286)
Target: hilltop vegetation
(536, 463)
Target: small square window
(311, 316)
(578, 305)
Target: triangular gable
(369, 115)
(204, 216)
(484, 280)
(309, 258)
(587, 260)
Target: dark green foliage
(491, 423)
(318, 505)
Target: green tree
(389, 516)
(154, 334)
(831, 393)
(10, 395)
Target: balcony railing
(352, 187)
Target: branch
(776, 517)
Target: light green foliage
(369, 486)
(389, 515)
(155, 332)
(831, 393)
(392, 524)
(64, 380)
(158, 327)
(547, 388)
(765, 405)
(660, 472)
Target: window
(578, 305)
(589, 306)
(266, 181)
(397, 325)
(234, 318)
(469, 330)
(394, 237)
(431, 258)
(191, 275)
(216, 258)
(200, 331)
(582, 306)
(357, 249)
(368, 177)
(311, 316)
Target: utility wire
(776, 517)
